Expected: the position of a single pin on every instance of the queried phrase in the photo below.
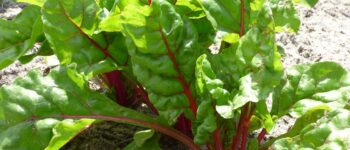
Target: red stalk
(184, 125)
(239, 130)
(217, 140)
(145, 99)
(241, 31)
(242, 121)
(261, 135)
(165, 130)
(115, 81)
(149, 2)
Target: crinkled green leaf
(332, 131)
(163, 48)
(285, 16)
(69, 28)
(308, 3)
(257, 55)
(65, 130)
(36, 107)
(309, 85)
(223, 14)
(19, 35)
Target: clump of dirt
(323, 36)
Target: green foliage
(41, 108)
(19, 35)
(161, 52)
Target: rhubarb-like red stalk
(261, 135)
(217, 139)
(239, 130)
(115, 81)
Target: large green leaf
(41, 108)
(69, 28)
(163, 49)
(309, 85)
(19, 35)
(331, 132)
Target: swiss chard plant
(204, 69)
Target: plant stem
(261, 135)
(217, 140)
(241, 31)
(145, 99)
(149, 2)
(239, 130)
(115, 81)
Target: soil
(323, 36)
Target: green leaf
(307, 3)
(112, 22)
(223, 14)
(263, 115)
(257, 55)
(205, 124)
(65, 130)
(311, 116)
(44, 50)
(309, 85)
(146, 139)
(332, 131)
(39, 3)
(163, 48)
(36, 108)
(285, 15)
(69, 28)
(142, 136)
(19, 35)
(190, 8)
